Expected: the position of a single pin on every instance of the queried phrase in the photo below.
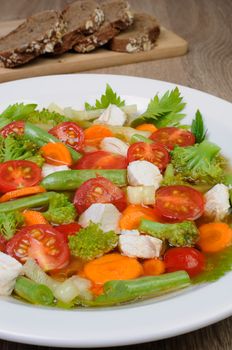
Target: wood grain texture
(207, 26)
(168, 45)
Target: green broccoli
(46, 117)
(91, 242)
(199, 164)
(183, 234)
(60, 210)
(170, 178)
(18, 147)
(9, 223)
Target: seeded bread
(117, 17)
(37, 35)
(141, 36)
(82, 17)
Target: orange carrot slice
(133, 214)
(147, 127)
(22, 192)
(153, 267)
(33, 217)
(56, 154)
(214, 237)
(112, 267)
(94, 134)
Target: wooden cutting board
(168, 45)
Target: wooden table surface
(207, 25)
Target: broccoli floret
(60, 210)
(38, 159)
(170, 178)
(46, 117)
(200, 163)
(91, 242)
(9, 223)
(17, 147)
(183, 234)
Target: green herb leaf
(110, 97)
(18, 111)
(217, 265)
(9, 223)
(164, 111)
(46, 117)
(198, 128)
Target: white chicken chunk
(10, 269)
(113, 115)
(130, 232)
(143, 246)
(107, 215)
(143, 173)
(114, 145)
(217, 203)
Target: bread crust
(13, 55)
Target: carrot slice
(56, 153)
(214, 237)
(33, 217)
(94, 134)
(22, 192)
(133, 214)
(147, 127)
(112, 267)
(153, 267)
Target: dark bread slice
(117, 17)
(140, 36)
(37, 35)
(82, 17)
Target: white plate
(142, 321)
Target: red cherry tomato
(101, 160)
(69, 229)
(99, 190)
(179, 202)
(13, 128)
(188, 259)
(69, 133)
(3, 242)
(42, 243)
(171, 136)
(154, 153)
(16, 174)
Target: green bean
(41, 137)
(72, 179)
(33, 292)
(37, 200)
(121, 291)
(139, 138)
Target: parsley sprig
(163, 111)
(110, 97)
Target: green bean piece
(33, 292)
(139, 138)
(41, 137)
(121, 291)
(37, 200)
(72, 179)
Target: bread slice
(117, 17)
(83, 17)
(37, 35)
(141, 36)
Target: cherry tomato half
(99, 190)
(69, 133)
(179, 202)
(154, 153)
(3, 242)
(13, 128)
(188, 259)
(16, 174)
(69, 229)
(101, 160)
(171, 136)
(42, 243)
